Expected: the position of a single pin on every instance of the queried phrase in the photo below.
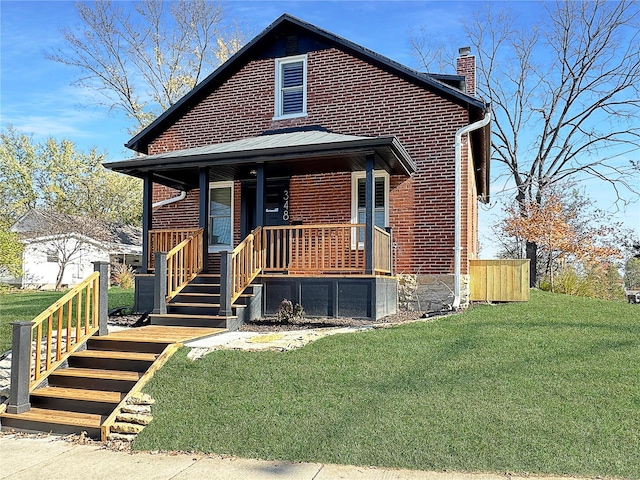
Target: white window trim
(221, 248)
(355, 176)
(278, 91)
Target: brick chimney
(466, 67)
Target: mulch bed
(272, 324)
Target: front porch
(330, 270)
(240, 198)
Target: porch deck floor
(320, 274)
(163, 334)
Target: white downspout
(167, 201)
(457, 241)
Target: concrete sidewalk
(53, 458)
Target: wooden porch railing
(315, 249)
(166, 240)
(308, 249)
(62, 327)
(246, 262)
(381, 251)
(184, 262)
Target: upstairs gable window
(291, 87)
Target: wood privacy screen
(499, 280)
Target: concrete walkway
(46, 458)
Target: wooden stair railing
(246, 263)
(41, 346)
(165, 240)
(184, 262)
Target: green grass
(25, 306)
(550, 387)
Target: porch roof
(282, 154)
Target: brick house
(309, 168)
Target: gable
(290, 36)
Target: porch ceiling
(282, 154)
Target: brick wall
(348, 96)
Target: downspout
(457, 241)
(167, 201)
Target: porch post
(369, 220)
(260, 195)
(147, 210)
(103, 296)
(203, 221)
(20, 367)
(160, 283)
(225, 284)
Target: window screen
(292, 83)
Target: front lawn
(26, 305)
(551, 387)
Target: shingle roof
(320, 148)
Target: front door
(276, 204)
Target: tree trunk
(60, 275)
(532, 255)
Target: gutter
(457, 247)
(167, 201)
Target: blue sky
(36, 95)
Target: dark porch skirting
(333, 296)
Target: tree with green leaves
(53, 175)
(142, 57)
(632, 274)
(10, 251)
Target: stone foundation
(428, 293)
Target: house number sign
(285, 205)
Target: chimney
(466, 67)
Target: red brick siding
(349, 96)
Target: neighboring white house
(42, 252)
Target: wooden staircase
(198, 303)
(81, 396)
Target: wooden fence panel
(499, 280)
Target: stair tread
(192, 304)
(60, 417)
(204, 294)
(78, 394)
(98, 373)
(199, 305)
(114, 337)
(116, 355)
(194, 315)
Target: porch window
(380, 204)
(291, 87)
(221, 216)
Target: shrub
(288, 313)
(122, 275)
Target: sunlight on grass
(551, 386)
(26, 305)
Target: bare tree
(64, 236)
(142, 57)
(563, 91)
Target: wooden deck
(163, 334)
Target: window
(220, 216)
(291, 87)
(52, 256)
(381, 200)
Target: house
(312, 169)
(51, 239)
